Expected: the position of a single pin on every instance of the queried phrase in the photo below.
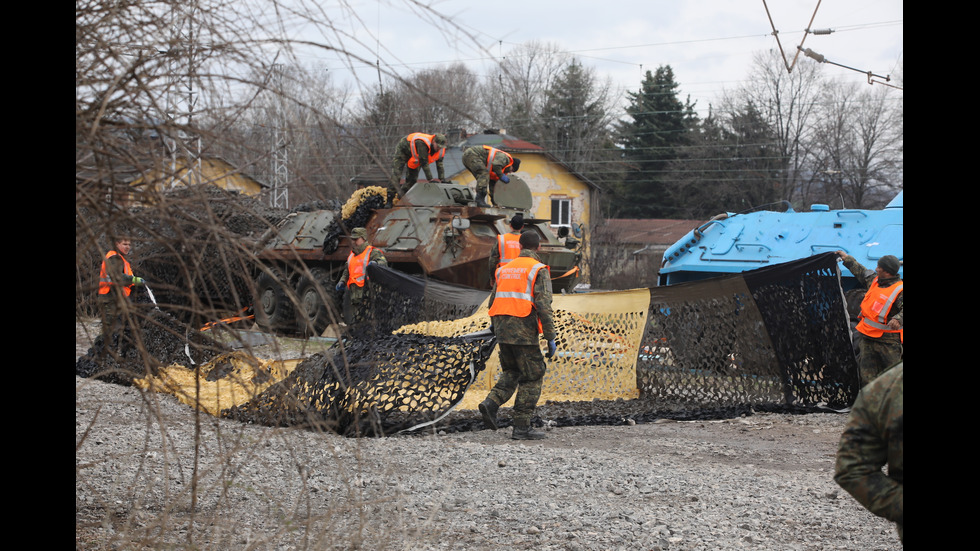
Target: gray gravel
(758, 482)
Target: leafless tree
(860, 145)
(788, 102)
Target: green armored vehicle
(436, 230)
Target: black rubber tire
(273, 310)
(316, 311)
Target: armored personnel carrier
(436, 231)
(733, 243)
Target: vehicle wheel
(273, 309)
(316, 303)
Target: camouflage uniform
(877, 354)
(403, 152)
(873, 437)
(475, 160)
(358, 296)
(521, 362)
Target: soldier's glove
(552, 348)
(139, 281)
(505, 178)
(340, 286)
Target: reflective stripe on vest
(415, 161)
(105, 283)
(509, 247)
(357, 267)
(874, 309)
(491, 152)
(515, 287)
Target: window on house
(561, 212)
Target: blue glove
(340, 286)
(552, 348)
(505, 179)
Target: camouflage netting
(775, 339)
(166, 340)
(402, 299)
(375, 386)
(777, 335)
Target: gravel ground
(151, 474)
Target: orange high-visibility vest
(515, 288)
(874, 310)
(509, 247)
(105, 283)
(415, 161)
(357, 267)
(491, 151)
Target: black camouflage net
(777, 335)
(149, 340)
(400, 299)
(374, 386)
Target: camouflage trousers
(522, 369)
(875, 356)
(477, 167)
(399, 166)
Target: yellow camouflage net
(598, 338)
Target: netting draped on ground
(774, 337)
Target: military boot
(489, 411)
(526, 433)
(481, 199)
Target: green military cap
(441, 140)
(889, 263)
(359, 232)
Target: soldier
(508, 245)
(417, 151)
(520, 310)
(881, 321)
(489, 164)
(354, 277)
(874, 437)
(116, 283)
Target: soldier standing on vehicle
(116, 283)
(417, 151)
(881, 321)
(508, 245)
(520, 311)
(354, 278)
(489, 164)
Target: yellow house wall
(216, 174)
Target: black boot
(481, 199)
(489, 410)
(526, 433)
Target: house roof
(649, 232)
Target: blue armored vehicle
(734, 243)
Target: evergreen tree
(656, 136)
(575, 119)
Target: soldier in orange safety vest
(116, 282)
(520, 314)
(508, 246)
(355, 277)
(881, 322)
(488, 165)
(416, 152)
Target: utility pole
(280, 152)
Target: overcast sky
(709, 43)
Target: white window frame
(564, 217)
